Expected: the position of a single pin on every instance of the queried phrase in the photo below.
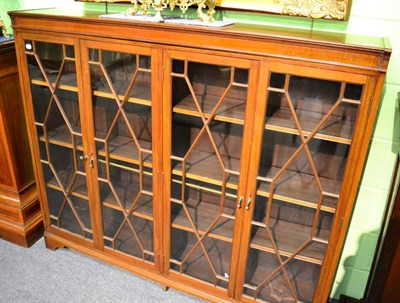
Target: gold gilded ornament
(3, 29)
(159, 5)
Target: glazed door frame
(29, 38)
(138, 50)
(352, 172)
(215, 59)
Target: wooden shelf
(289, 237)
(68, 87)
(142, 94)
(68, 80)
(199, 164)
(335, 129)
(124, 149)
(62, 136)
(65, 176)
(144, 208)
(301, 189)
(129, 191)
(141, 89)
(205, 187)
(120, 148)
(203, 214)
(231, 110)
(292, 187)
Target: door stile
(255, 134)
(166, 175)
(157, 125)
(85, 107)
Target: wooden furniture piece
(20, 216)
(384, 281)
(222, 162)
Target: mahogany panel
(20, 216)
(384, 280)
(6, 177)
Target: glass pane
(205, 260)
(207, 130)
(121, 90)
(54, 88)
(273, 286)
(132, 235)
(326, 108)
(299, 173)
(309, 124)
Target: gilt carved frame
(318, 9)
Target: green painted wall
(368, 17)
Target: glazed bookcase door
(309, 122)
(121, 105)
(208, 98)
(55, 119)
